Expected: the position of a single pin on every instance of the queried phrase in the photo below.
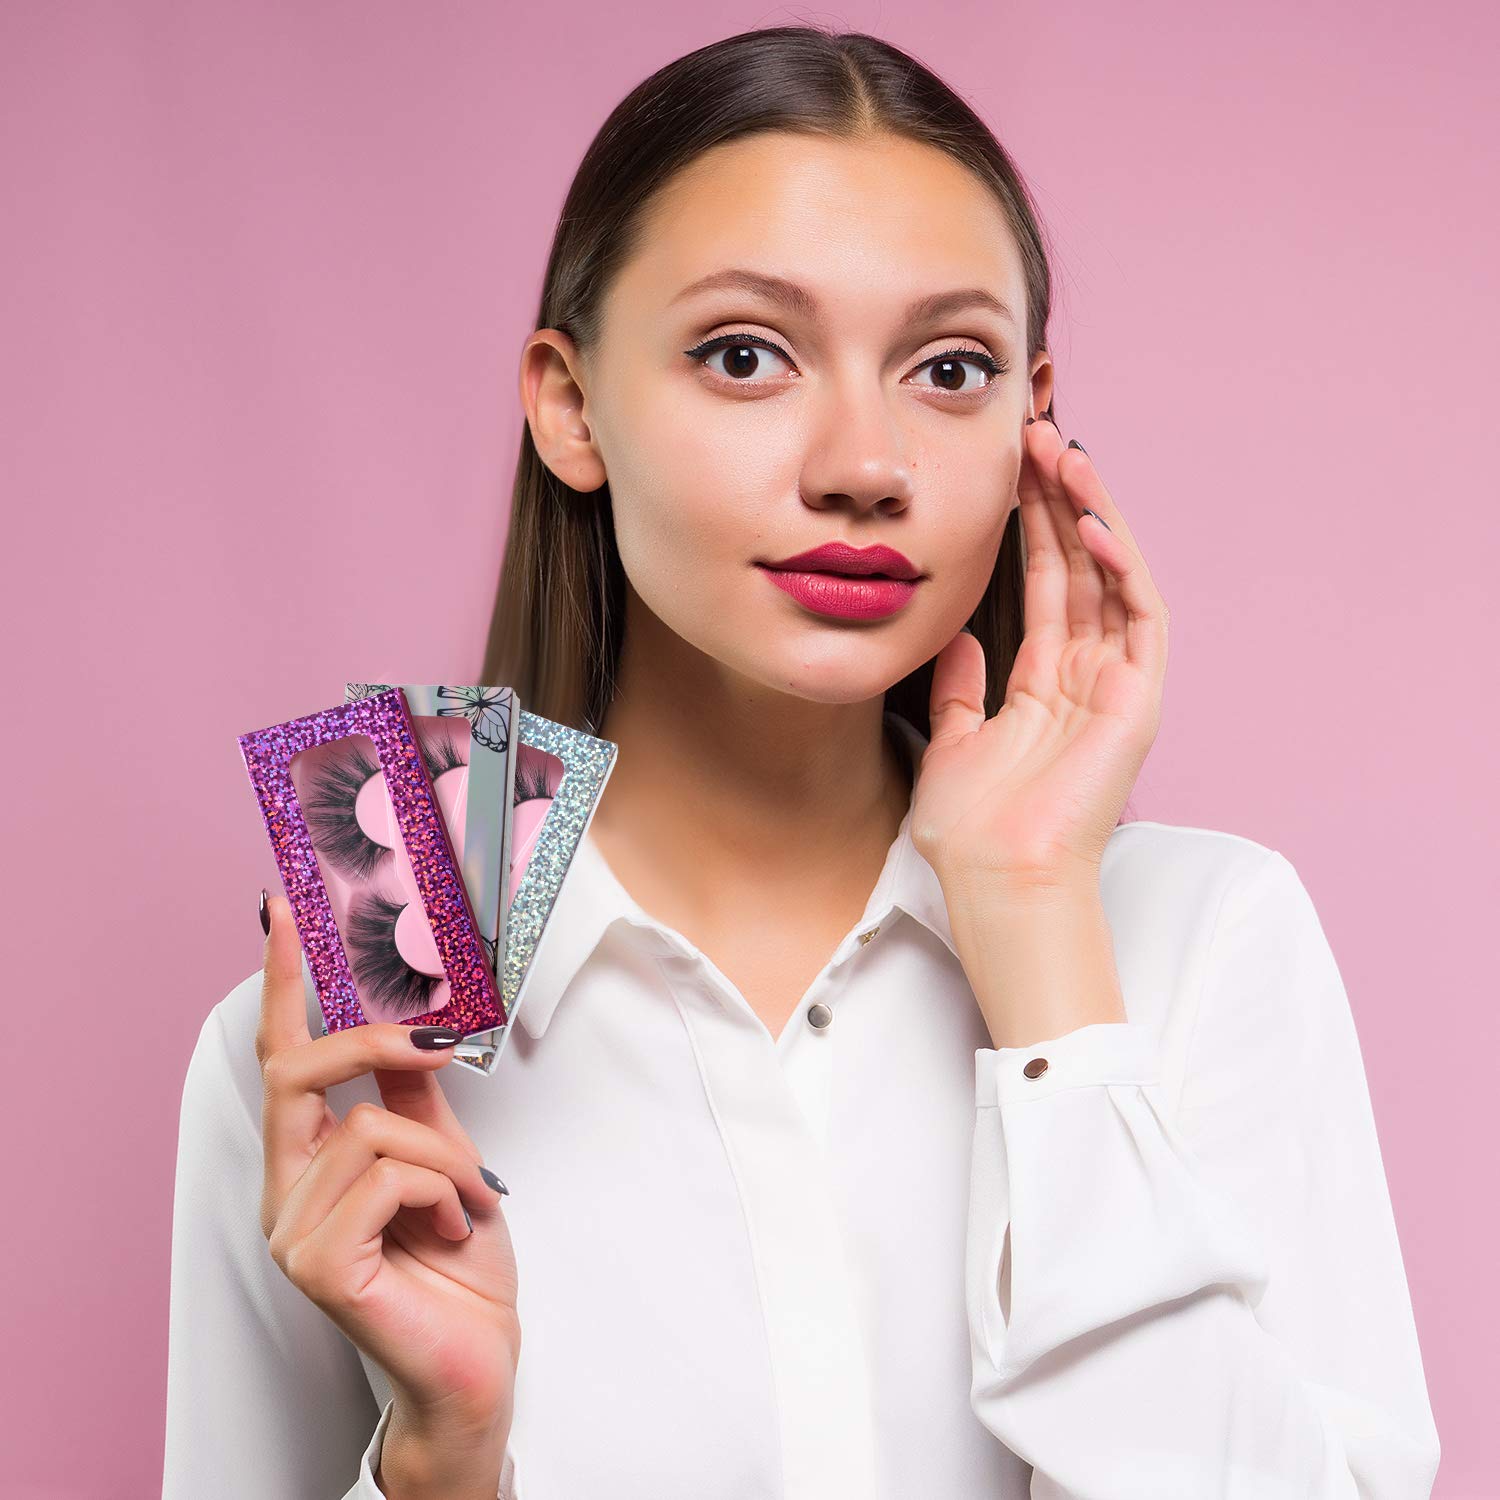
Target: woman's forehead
(786, 210)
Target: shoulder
(1220, 946)
(1188, 905)
(1180, 874)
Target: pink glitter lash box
(369, 869)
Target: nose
(857, 458)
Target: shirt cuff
(1102, 1052)
(366, 1488)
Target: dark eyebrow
(798, 300)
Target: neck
(726, 778)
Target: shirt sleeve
(265, 1394)
(367, 1489)
(1209, 1300)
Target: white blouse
(873, 1257)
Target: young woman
(885, 1116)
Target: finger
(421, 1097)
(283, 997)
(1145, 629)
(1112, 611)
(1084, 486)
(296, 1077)
(352, 1230)
(293, 1126)
(1083, 607)
(1141, 620)
(366, 1134)
(956, 702)
(1045, 589)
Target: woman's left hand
(1030, 797)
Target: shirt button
(865, 937)
(819, 1016)
(1035, 1068)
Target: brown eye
(949, 374)
(745, 355)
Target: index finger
(410, 1091)
(283, 1002)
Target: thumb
(956, 706)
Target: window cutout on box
(538, 776)
(372, 891)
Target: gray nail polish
(1100, 519)
(494, 1182)
(467, 1219)
(1074, 443)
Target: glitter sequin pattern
(476, 1003)
(587, 762)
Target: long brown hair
(560, 611)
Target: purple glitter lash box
(369, 869)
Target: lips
(852, 562)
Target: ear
(552, 388)
(1039, 392)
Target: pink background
(264, 281)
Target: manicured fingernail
(1100, 519)
(1028, 421)
(1074, 443)
(1047, 416)
(492, 1181)
(430, 1038)
(265, 913)
(467, 1219)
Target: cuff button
(1035, 1068)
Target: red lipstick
(848, 582)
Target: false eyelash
(330, 807)
(445, 758)
(378, 967)
(700, 352)
(532, 782)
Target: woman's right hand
(365, 1216)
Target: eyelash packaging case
(560, 776)
(369, 869)
(468, 734)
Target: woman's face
(848, 430)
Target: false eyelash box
(560, 775)
(369, 868)
(554, 788)
(470, 747)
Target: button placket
(820, 1015)
(774, 1138)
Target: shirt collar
(591, 901)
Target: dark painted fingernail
(265, 913)
(1100, 519)
(467, 1219)
(430, 1038)
(1047, 416)
(1074, 443)
(1028, 421)
(492, 1181)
